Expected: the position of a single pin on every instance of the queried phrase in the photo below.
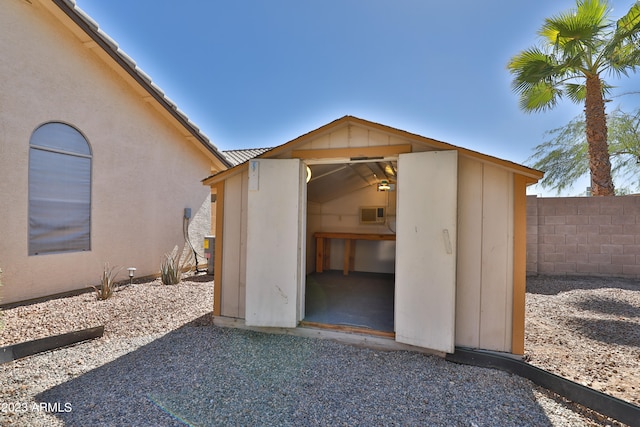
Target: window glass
(59, 190)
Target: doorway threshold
(350, 338)
(348, 328)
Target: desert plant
(107, 282)
(170, 269)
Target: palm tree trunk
(596, 121)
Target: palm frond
(576, 92)
(623, 49)
(577, 30)
(629, 25)
(540, 97)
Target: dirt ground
(587, 330)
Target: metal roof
(237, 157)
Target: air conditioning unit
(372, 215)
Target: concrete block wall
(588, 236)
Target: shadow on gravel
(553, 285)
(201, 374)
(608, 331)
(200, 278)
(610, 306)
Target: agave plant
(170, 269)
(107, 282)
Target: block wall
(589, 236)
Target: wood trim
(221, 176)
(519, 262)
(351, 329)
(349, 152)
(355, 236)
(217, 263)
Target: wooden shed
(433, 234)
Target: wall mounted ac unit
(372, 215)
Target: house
(98, 165)
(446, 224)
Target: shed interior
(337, 193)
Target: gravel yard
(161, 362)
(587, 330)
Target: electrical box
(210, 252)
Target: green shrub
(170, 270)
(107, 282)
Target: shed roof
(237, 157)
(129, 66)
(532, 175)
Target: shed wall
(234, 254)
(144, 172)
(484, 293)
(485, 256)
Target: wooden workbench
(323, 247)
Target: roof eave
(127, 64)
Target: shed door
(426, 249)
(275, 242)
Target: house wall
(144, 173)
(591, 236)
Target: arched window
(59, 190)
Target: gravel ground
(162, 363)
(587, 330)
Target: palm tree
(578, 48)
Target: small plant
(170, 270)
(107, 282)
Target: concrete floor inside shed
(359, 300)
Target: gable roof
(94, 37)
(237, 157)
(532, 175)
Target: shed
(359, 199)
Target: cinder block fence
(589, 236)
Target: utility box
(209, 252)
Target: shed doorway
(424, 267)
(354, 287)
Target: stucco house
(97, 165)
(444, 225)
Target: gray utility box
(209, 252)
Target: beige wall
(234, 252)
(341, 215)
(590, 236)
(485, 256)
(144, 172)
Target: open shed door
(426, 249)
(276, 223)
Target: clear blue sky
(257, 73)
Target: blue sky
(257, 73)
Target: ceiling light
(384, 185)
